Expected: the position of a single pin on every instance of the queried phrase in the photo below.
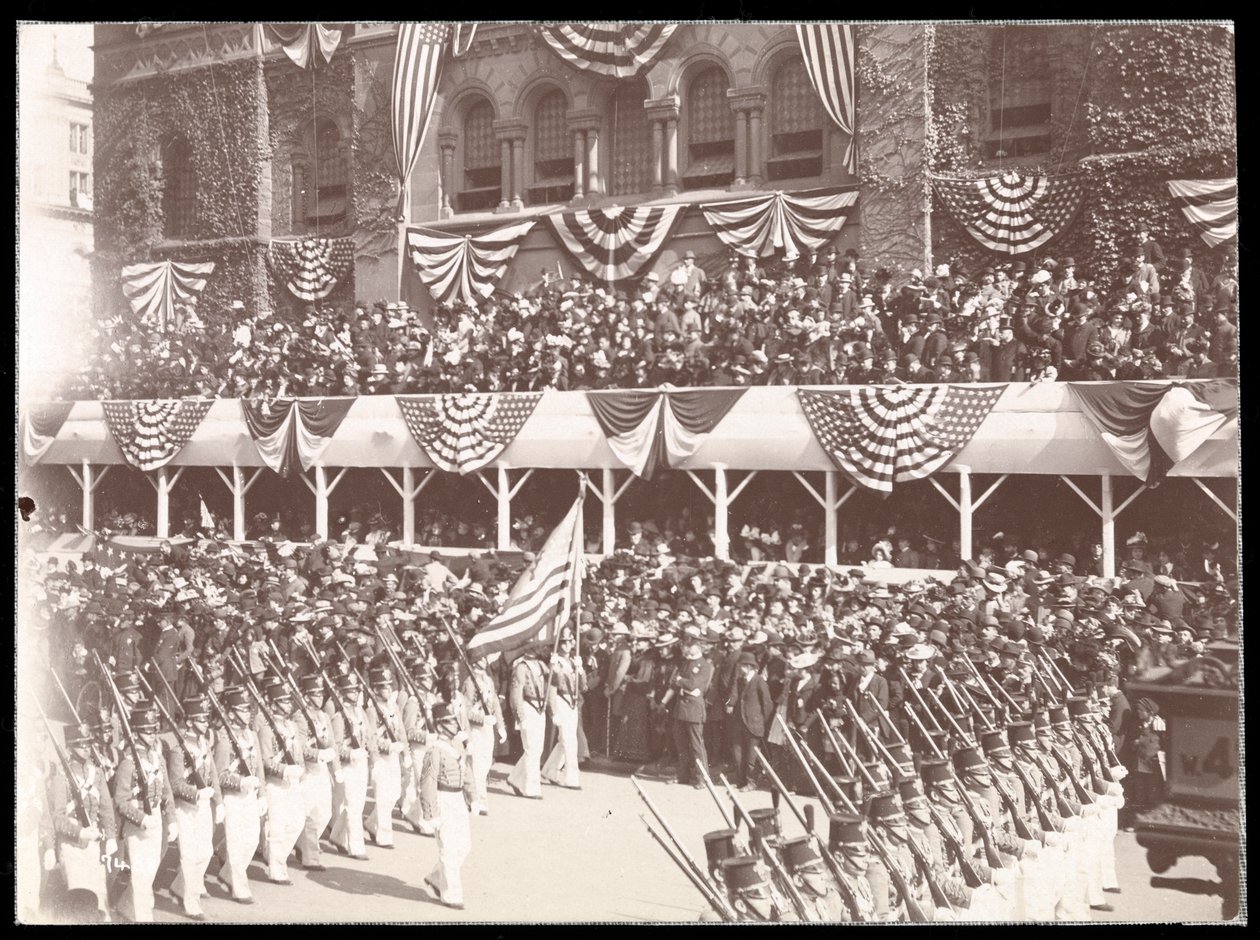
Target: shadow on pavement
(354, 881)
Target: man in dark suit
(868, 680)
(753, 712)
(690, 684)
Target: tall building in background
(56, 184)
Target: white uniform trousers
(481, 751)
(562, 763)
(316, 789)
(386, 789)
(286, 818)
(1109, 820)
(1071, 904)
(241, 817)
(196, 848)
(84, 871)
(525, 775)
(144, 855)
(454, 839)
(349, 795)
(411, 809)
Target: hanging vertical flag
(1211, 206)
(830, 57)
(417, 71)
(40, 425)
(156, 289)
(207, 517)
(544, 596)
(464, 268)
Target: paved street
(585, 856)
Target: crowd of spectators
(818, 320)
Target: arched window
(481, 159)
(630, 140)
(179, 189)
(320, 184)
(796, 124)
(553, 151)
(710, 132)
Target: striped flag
(1211, 206)
(614, 50)
(155, 289)
(417, 71)
(827, 49)
(1012, 213)
(464, 268)
(543, 598)
(207, 517)
(789, 222)
(615, 244)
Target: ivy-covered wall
(375, 176)
(1131, 108)
(221, 109)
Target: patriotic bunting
(154, 289)
(1211, 206)
(463, 433)
(614, 50)
(418, 59)
(290, 433)
(829, 55)
(40, 426)
(464, 268)
(1152, 426)
(1013, 213)
(151, 433)
(615, 244)
(646, 429)
(792, 223)
(879, 435)
(543, 598)
(300, 41)
(311, 268)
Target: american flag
(151, 433)
(543, 598)
(311, 267)
(1012, 213)
(614, 50)
(417, 71)
(829, 55)
(879, 435)
(463, 433)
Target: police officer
(446, 792)
(198, 802)
(690, 686)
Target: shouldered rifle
(883, 713)
(757, 842)
(1068, 771)
(877, 746)
(914, 912)
(146, 798)
(222, 716)
(85, 821)
(707, 891)
(838, 741)
(827, 805)
(166, 686)
(1008, 798)
(963, 737)
(276, 661)
(198, 778)
(1053, 667)
(367, 691)
(406, 677)
(841, 796)
(692, 867)
(74, 713)
(830, 733)
(463, 656)
(918, 697)
(708, 785)
(281, 738)
(837, 875)
(338, 702)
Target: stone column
(505, 174)
(585, 126)
(511, 136)
(663, 113)
(579, 164)
(658, 139)
(748, 103)
(594, 185)
(447, 140)
(741, 147)
(518, 173)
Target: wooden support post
(965, 515)
(88, 483)
(831, 528)
(609, 499)
(1108, 528)
(164, 484)
(505, 509)
(1232, 513)
(409, 506)
(238, 503)
(721, 507)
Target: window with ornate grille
(179, 189)
(796, 125)
(1019, 93)
(630, 140)
(482, 180)
(710, 132)
(553, 152)
(320, 182)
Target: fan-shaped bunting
(1013, 213)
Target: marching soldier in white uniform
(415, 719)
(389, 742)
(82, 842)
(446, 792)
(567, 684)
(143, 825)
(284, 763)
(198, 803)
(484, 728)
(350, 793)
(240, 777)
(316, 782)
(529, 686)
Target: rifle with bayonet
(367, 691)
(198, 777)
(707, 891)
(338, 702)
(406, 678)
(219, 713)
(288, 743)
(146, 798)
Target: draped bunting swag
(300, 41)
(615, 244)
(311, 268)
(464, 268)
(1211, 206)
(418, 60)
(881, 435)
(290, 433)
(153, 289)
(647, 429)
(1153, 426)
(614, 50)
(788, 222)
(40, 426)
(829, 55)
(463, 433)
(151, 434)
(1012, 213)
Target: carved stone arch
(538, 84)
(454, 106)
(698, 57)
(772, 54)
